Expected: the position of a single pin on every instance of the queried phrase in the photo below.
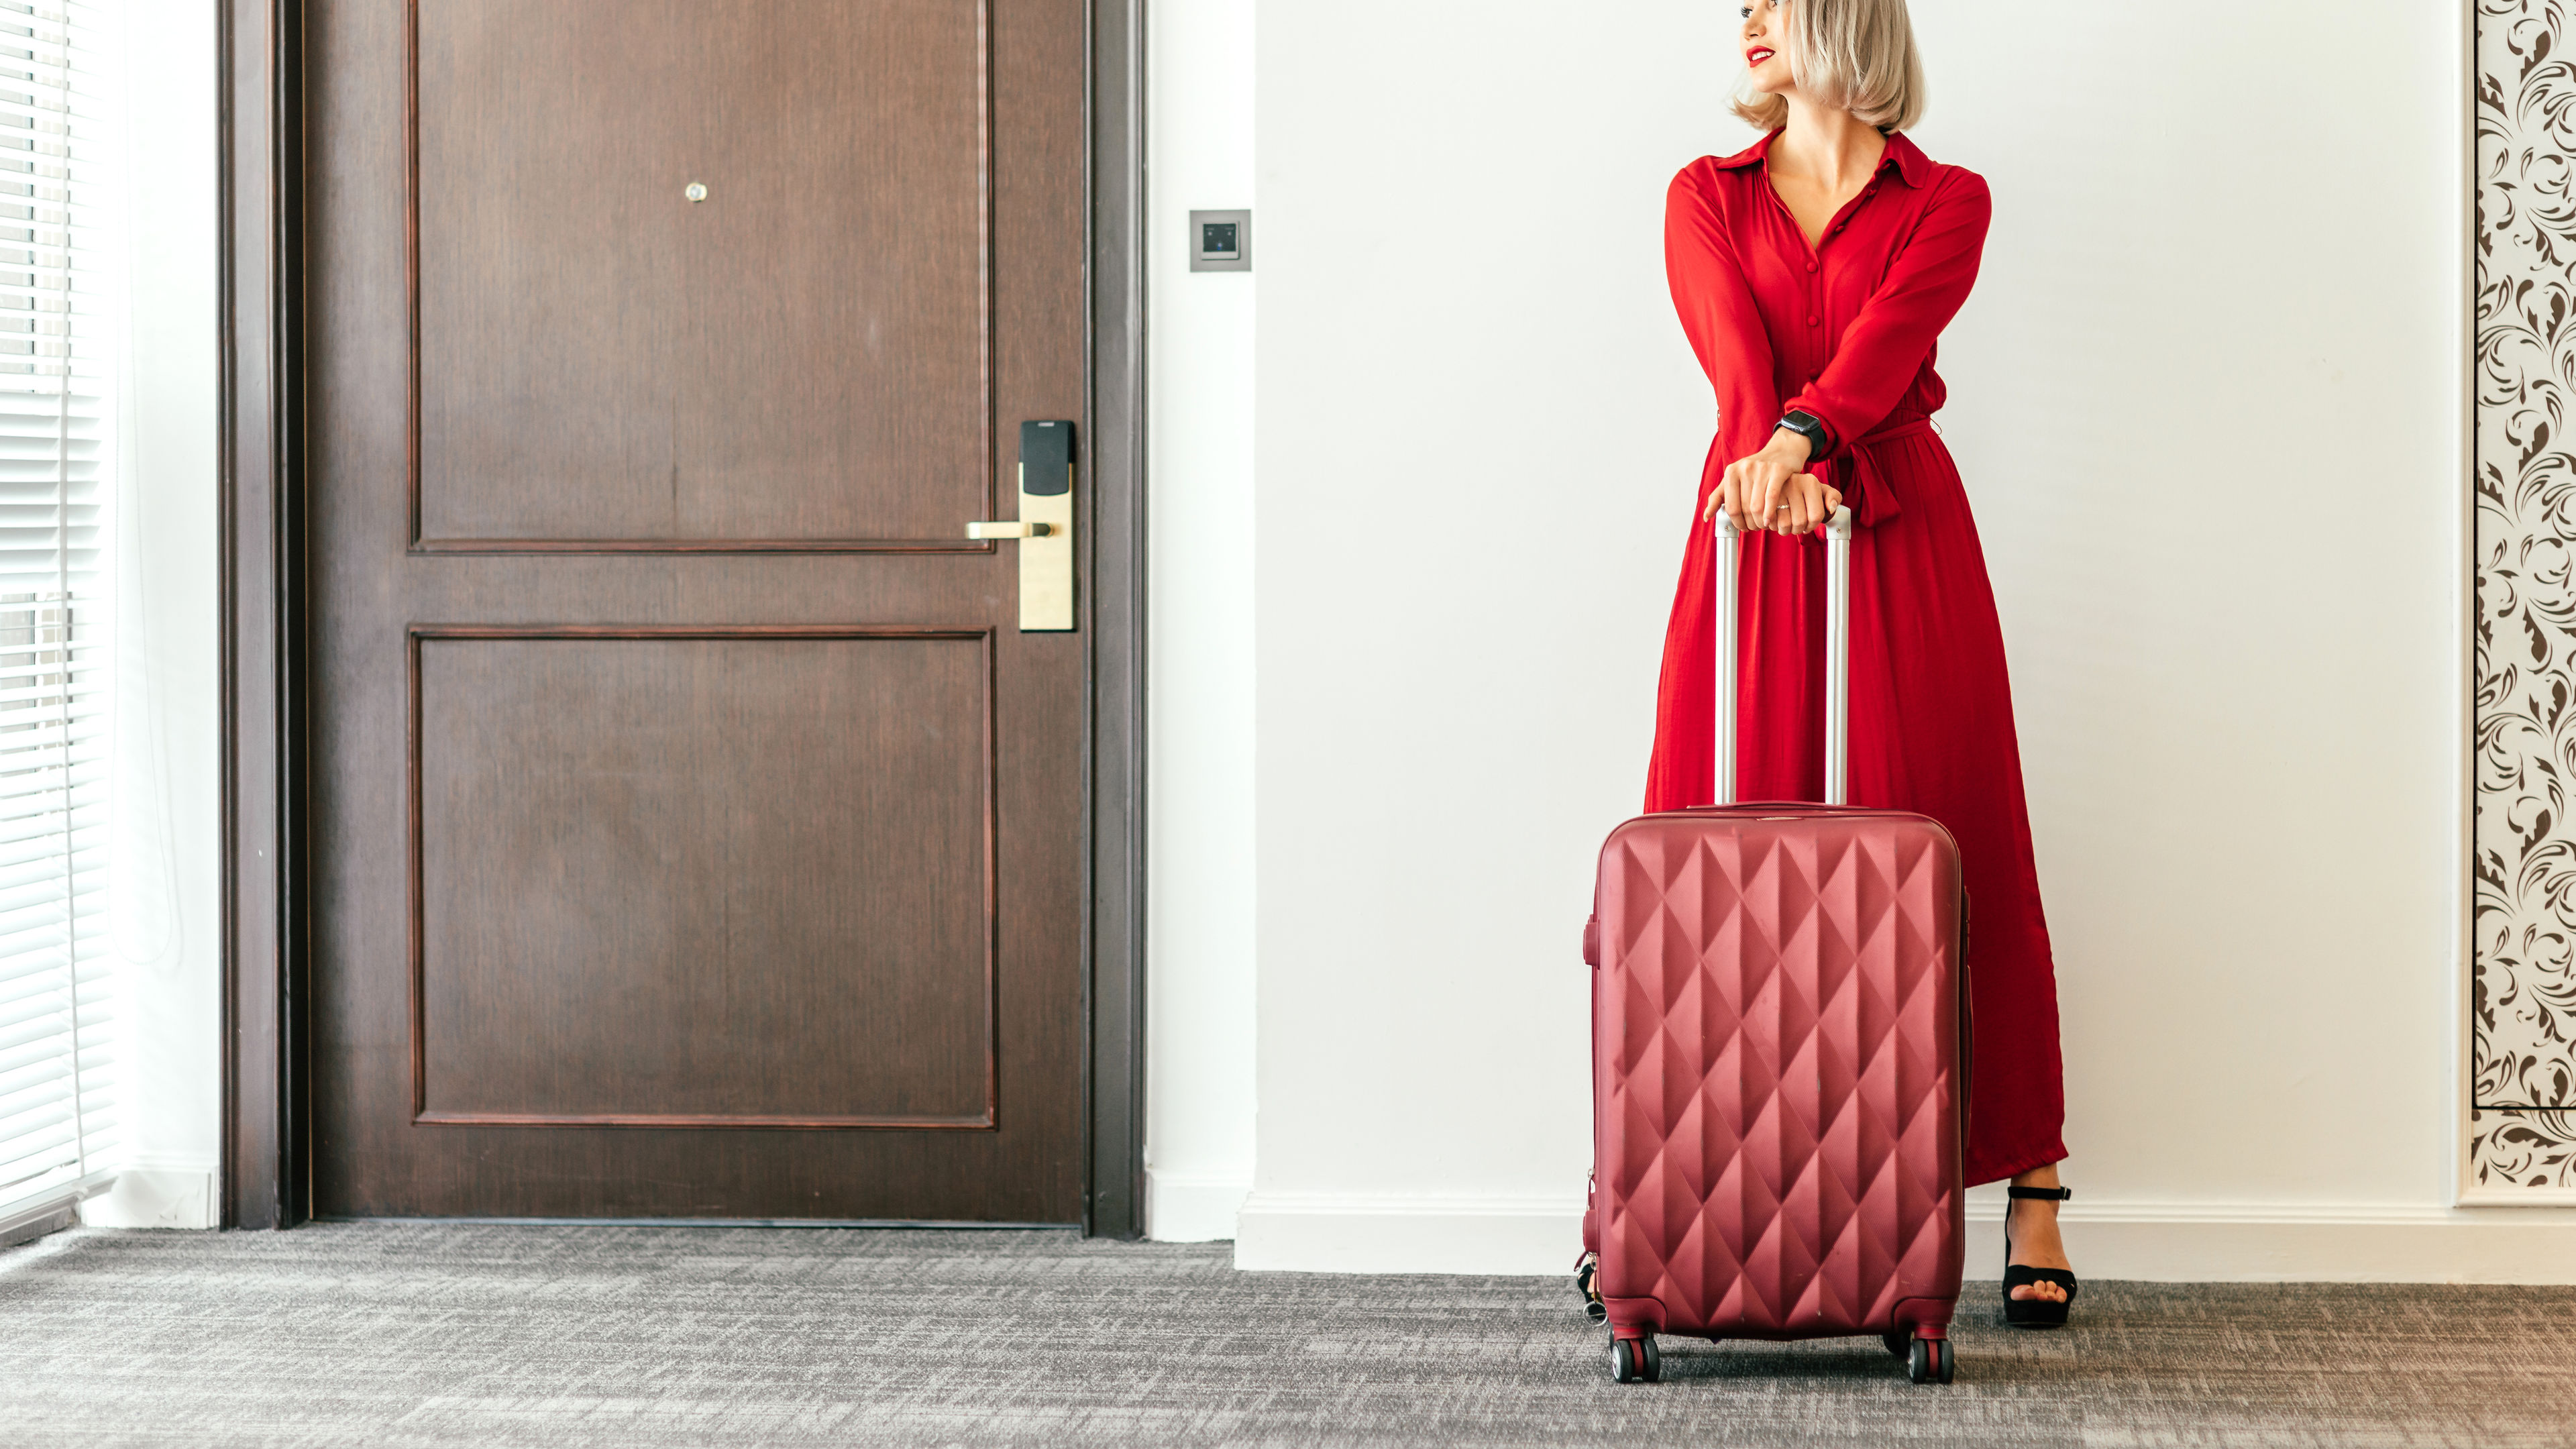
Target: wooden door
(695, 832)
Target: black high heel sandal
(2035, 1312)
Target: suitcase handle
(1838, 534)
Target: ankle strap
(2044, 1194)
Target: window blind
(58, 1120)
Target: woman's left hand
(1775, 490)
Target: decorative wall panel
(2522, 1107)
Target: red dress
(1846, 330)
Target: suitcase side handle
(1838, 535)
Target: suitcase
(1780, 1057)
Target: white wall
(165, 866)
(1477, 432)
(2207, 399)
(1198, 1138)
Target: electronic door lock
(1044, 527)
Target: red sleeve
(1884, 347)
(1718, 313)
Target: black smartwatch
(1808, 426)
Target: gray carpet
(394, 1335)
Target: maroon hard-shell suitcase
(1780, 1048)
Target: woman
(1813, 273)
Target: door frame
(267, 1134)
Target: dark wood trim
(258, 49)
(984, 1123)
(694, 545)
(411, 267)
(1114, 1206)
(266, 1181)
(417, 910)
(694, 631)
(984, 344)
(985, 283)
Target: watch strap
(1807, 425)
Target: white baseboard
(1345, 1233)
(2300, 1242)
(1185, 1207)
(157, 1194)
(2154, 1242)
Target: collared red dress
(1847, 330)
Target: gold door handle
(1045, 526)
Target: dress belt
(1862, 482)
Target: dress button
(1811, 320)
(1811, 266)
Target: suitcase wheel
(1634, 1360)
(1931, 1361)
(1587, 1281)
(1899, 1345)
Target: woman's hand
(1773, 490)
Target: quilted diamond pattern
(1778, 1082)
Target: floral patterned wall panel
(2522, 1109)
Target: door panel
(694, 832)
(798, 357)
(766, 934)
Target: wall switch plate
(1220, 241)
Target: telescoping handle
(1837, 657)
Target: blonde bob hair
(1856, 54)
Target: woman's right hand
(1772, 489)
(1759, 498)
